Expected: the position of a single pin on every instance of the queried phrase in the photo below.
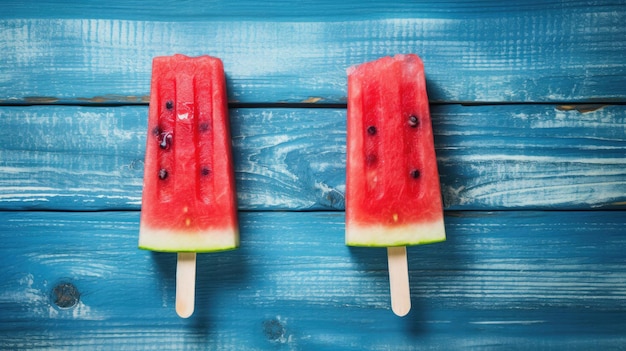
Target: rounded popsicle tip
(401, 310)
(184, 310)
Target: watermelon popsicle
(188, 200)
(393, 197)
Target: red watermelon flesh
(189, 200)
(393, 196)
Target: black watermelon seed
(371, 159)
(371, 130)
(169, 104)
(413, 121)
(415, 173)
(156, 131)
(204, 126)
(205, 171)
(162, 173)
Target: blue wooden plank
(198, 10)
(490, 157)
(486, 52)
(518, 280)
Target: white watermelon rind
(378, 235)
(167, 240)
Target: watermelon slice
(188, 201)
(393, 197)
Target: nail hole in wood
(65, 295)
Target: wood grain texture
(534, 184)
(198, 10)
(292, 52)
(507, 280)
(490, 157)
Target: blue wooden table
(529, 110)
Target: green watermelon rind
(169, 240)
(378, 235)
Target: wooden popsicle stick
(399, 280)
(185, 283)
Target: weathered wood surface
(504, 280)
(492, 51)
(490, 157)
(534, 183)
